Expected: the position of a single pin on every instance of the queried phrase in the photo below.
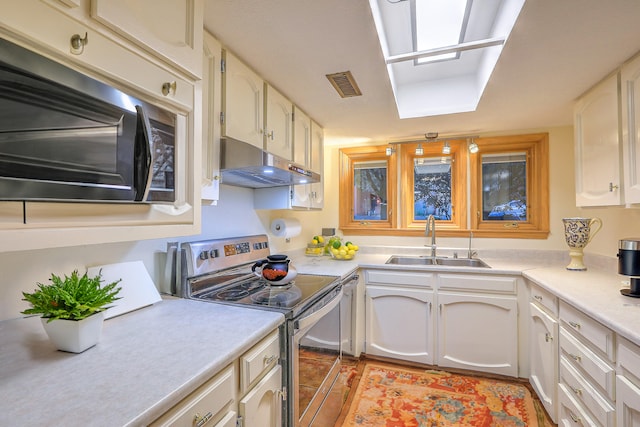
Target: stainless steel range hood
(245, 165)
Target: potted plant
(72, 309)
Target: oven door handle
(309, 320)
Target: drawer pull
(200, 421)
(169, 88)
(574, 418)
(548, 337)
(268, 359)
(575, 325)
(538, 297)
(576, 357)
(577, 391)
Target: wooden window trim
(458, 184)
(349, 156)
(536, 147)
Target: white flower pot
(75, 336)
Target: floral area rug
(411, 397)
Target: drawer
(584, 326)
(599, 371)
(257, 361)
(211, 401)
(585, 394)
(466, 282)
(394, 277)
(544, 298)
(570, 413)
(629, 361)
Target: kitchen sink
(423, 260)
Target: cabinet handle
(169, 87)
(268, 359)
(577, 391)
(200, 421)
(576, 357)
(78, 43)
(548, 337)
(575, 325)
(574, 418)
(538, 297)
(612, 187)
(270, 135)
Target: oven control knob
(204, 255)
(213, 253)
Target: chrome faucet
(471, 252)
(431, 228)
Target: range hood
(245, 165)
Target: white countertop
(146, 362)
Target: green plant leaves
(75, 297)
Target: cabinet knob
(268, 359)
(78, 43)
(538, 297)
(612, 187)
(169, 87)
(575, 325)
(574, 418)
(199, 421)
(548, 337)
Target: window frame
(458, 184)
(350, 156)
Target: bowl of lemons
(343, 251)
(315, 247)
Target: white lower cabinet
(543, 357)
(628, 385)
(247, 393)
(399, 323)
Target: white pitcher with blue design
(578, 232)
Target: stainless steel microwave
(68, 137)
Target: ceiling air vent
(345, 84)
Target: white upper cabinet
(172, 29)
(597, 146)
(317, 148)
(301, 137)
(630, 91)
(211, 107)
(278, 123)
(242, 102)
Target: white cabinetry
(478, 323)
(399, 315)
(587, 377)
(543, 347)
(628, 385)
(278, 123)
(630, 92)
(597, 145)
(170, 28)
(242, 102)
(211, 107)
(316, 164)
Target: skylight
(440, 53)
(438, 23)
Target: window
(367, 187)
(500, 191)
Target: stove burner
(278, 296)
(232, 294)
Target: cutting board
(138, 290)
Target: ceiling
(557, 50)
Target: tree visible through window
(370, 191)
(432, 188)
(504, 187)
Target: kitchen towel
(285, 227)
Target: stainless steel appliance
(219, 271)
(629, 265)
(245, 165)
(66, 136)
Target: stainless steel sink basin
(423, 260)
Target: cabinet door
(278, 123)
(627, 403)
(543, 357)
(243, 102)
(262, 407)
(301, 137)
(399, 323)
(597, 146)
(316, 164)
(478, 332)
(211, 106)
(630, 91)
(170, 28)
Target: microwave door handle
(142, 156)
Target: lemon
(355, 247)
(351, 252)
(314, 241)
(320, 239)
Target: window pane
(370, 190)
(432, 188)
(504, 187)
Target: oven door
(316, 363)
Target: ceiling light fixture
(446, 148)
(419, 150)
(473, 147)
(389, 151)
